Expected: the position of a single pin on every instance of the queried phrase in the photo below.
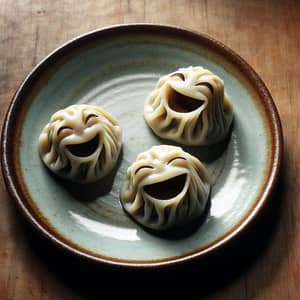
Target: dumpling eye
(179, 157)
(62, 129)
(143, 167)
(179, 75)
(208, 85)
(90, 116)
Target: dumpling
(189, 106)
(165, 188)
(81, 143)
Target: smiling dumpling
(165, 187)
(81, 143)
(189, 106)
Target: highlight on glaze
(189, 106)
(165, 187)
(81, 143)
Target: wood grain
(265, 264)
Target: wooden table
(265, 263)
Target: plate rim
(9, 171)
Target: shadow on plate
(198, 278)
(95, 190)
(205, 154)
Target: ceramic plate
(116, 68)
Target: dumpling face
(81, 143)
(189, 106)
(165, 187)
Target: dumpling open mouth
(182, 103)
(85, 149)
(167, 189)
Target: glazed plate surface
(116, 68)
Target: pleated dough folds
(81, 143)
(165, 187)
(189, 106)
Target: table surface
(265, 262)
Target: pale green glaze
(118, 74)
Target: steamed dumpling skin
(81, 143)
(165, 188)
(189, 106)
